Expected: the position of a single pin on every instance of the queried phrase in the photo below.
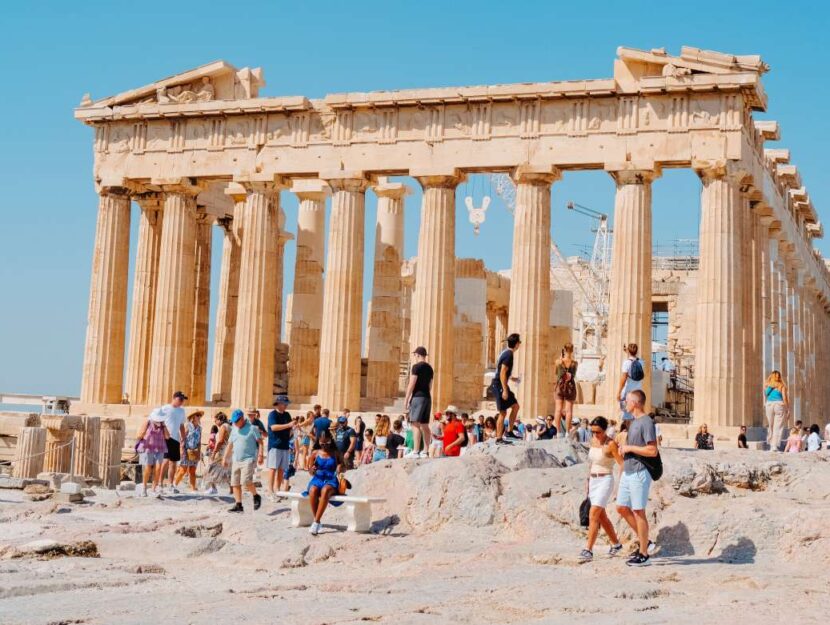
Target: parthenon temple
(202, 149)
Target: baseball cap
(237, 415)
(342, 419)
(421, 351)
(179, 395)
(281, 399)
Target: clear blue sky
(53, 52)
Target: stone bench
(358, 509)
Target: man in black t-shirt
(505, 399)
(419, 403)
(742, 438)
(280, 425)
(345, 439)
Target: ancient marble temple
(202, 150)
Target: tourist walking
(245, 449)
(505, 398)
(635, 481)
(217, 473)
(280, 425)
(324, 483)
(703, 439)
(173, 416)
(192, 450)
(632, 374)
(151, 445)
(602, 455)
(418, 403)
(564, 394)
(454, 433)
(345, 440)
(776, 407)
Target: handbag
(585, 512)
(343, 485)
(193, 455)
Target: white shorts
(278, 459)
(600, 489)
(437, 443)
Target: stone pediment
(215, 81)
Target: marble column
(795, 363)
(767, 289)
(339, 373)
(500, 333)
(201, 308)
(112, 444)
(103, 368)
(145, 281)
(718, 358)
(223, 339)
(59, 434)
(433, 302)
(784, 327)
(29, 452)
(384, 323)
(172, 353)
(256, 331)
(490, 345)
(629, 311)
(307, 298)
(529, 312)
(87, 445)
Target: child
(368, 447)
(436, 447)
(489, 429)
(151, 444)
(794, 441)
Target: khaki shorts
(242, 472)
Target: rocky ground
(489, 538)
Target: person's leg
(191, 473)
(146, 471)
(514, 410)
(593, 526)
(313, 498)
(179, 475)
(608, 527)
(624, 501)
(558, 410)
(426, 435)
(642, 530)
(779, 418)
(237, 493)
(172, 473)
(327, 493)
(279, 479)
(416, 437)
(569, 411)
(500, 424)
(770, 414)
(268, 480)
(158, 475)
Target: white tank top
(600, 461)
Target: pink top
(154, 438)
(793, 444)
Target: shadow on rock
(674, 540)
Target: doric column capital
(394, 190)
(438, 179)
(345, 180)
(533, 174)
(632, 172)
(256, 183)
(310, 189)
(114, 191)
(149, 201)
(710, 170)
(184, 186)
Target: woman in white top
(436, 446)
(602, 455)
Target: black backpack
(635, 371)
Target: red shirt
(452, 431)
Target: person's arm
(456, 442)
(182, 433)
(228, 451)
(311, 468)
(352, 444)
(503, 380)
(282, 426)
(648, 450)
(166, 432)
(785, 393)
(621, 385)
(410, 388)
(142, 431)
(615, 452)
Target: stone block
(19, 483)
(71, 488)
(53, 479)
(125, 486)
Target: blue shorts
(150, 458)
(633, 491)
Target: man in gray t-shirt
(635, 481)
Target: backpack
(654, 465)
(635, 371)
(566, 387)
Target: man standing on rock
(419, 403)
(505, 399)
(635, 481)
(174, 418)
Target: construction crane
(593, 314)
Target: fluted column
(87, 445)
(753, 332)
(283, 237)
(629, 311)
(226, 309)
(529, 312)
(59, 433)
(103, 369)
(433, 302)
(145, 281)
(784, 327)
(112, 444)
(500, 332)
(339, 373)
(201, 308)
(256, 331)
(795, 362)
(307, 298)
(768, 289)
(29, 452)
(490, 344)
(384, 324)
(718, 359)
(172, 354)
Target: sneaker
(210, 492)
(315, 527)
(503, 441)
(638, 559)
(615, 550)
(586, 556)
(257, 502)
(423, 454)
(237, 507)
(513, 435)
(174, 490)
(157, 493)
(412, 454)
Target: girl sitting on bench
(324, 483)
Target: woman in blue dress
(324, 483)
